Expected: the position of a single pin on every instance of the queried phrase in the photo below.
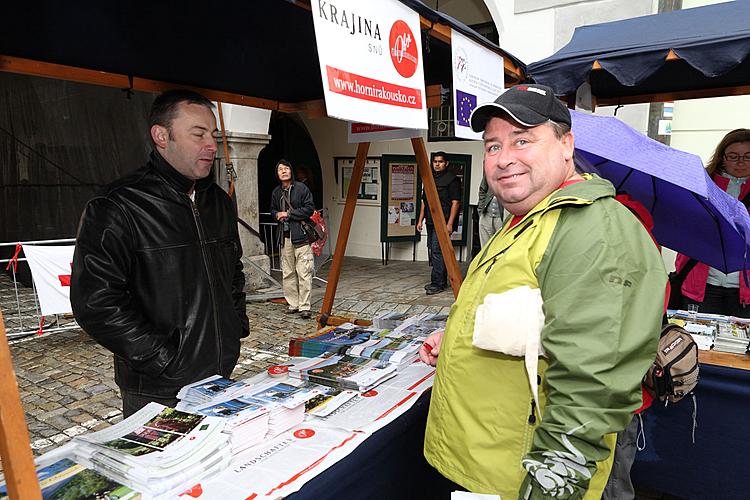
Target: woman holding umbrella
(712, 290)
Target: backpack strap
(680, 277)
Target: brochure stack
(60, 476)
(285, 402)
(245, 421)
(158, 451)
(343, 371)
(212, 389)
(331, 339)
(731, 337)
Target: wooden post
(430, 190)
(343, 236)
(15, 452)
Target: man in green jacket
(555, 325)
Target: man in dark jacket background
(157, 277)
(291, 203)
(449, 192)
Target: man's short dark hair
(164, 108)
(440, 153)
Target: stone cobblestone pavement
(66, 381)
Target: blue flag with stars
(465, 104)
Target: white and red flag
(50, 268)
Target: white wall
(330, 138)
(245, 119)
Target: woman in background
(712, 290)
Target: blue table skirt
(715, 467)
(390, 464)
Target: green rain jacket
(602, 281)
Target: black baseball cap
(528, 104)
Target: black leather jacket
(157, 279)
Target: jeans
(439, 275)
(134, 401)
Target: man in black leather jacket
(157, 277)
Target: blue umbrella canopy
(692, 215)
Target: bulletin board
(369, 188)
(400, 198)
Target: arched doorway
(290, 140)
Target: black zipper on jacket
(202, 241)
(532, 415)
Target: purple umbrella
(692, 215)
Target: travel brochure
(65, 478)
(398, 345)
(159, 452)
(714, 331)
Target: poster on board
(400, 200)
(370, 57)
(478, 77)
(369, 187)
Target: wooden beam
(340, 320)
(81, 75)
(344, 228)
(15, 452)
(674, 96)
(436, 210)
(313, 109)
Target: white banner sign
(478, 77)
(365, 132)
(371, 62)
(50, 268)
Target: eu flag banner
(465, 104)
(478, 77)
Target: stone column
(243, 151)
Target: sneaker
(428, 285)
(291, 311)
(432, 290)
(305, 314)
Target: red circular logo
(403, 48)
(304, 433)
(195, 492)
(278, 370)
(370, 393)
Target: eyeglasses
(737, 157)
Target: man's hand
(449, 228)
(430, 350)
(281, 215)
(419, 226)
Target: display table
(714, 467)
(390, 464)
